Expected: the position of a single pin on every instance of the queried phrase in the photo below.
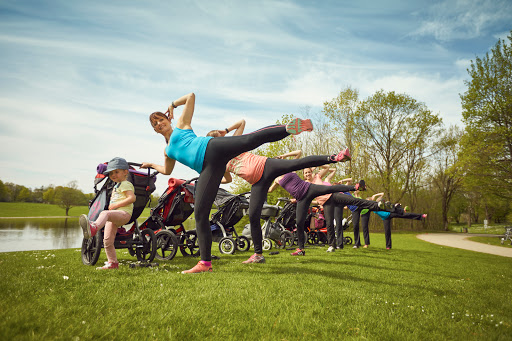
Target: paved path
(460, 241)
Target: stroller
(231, 208)
(317, 234)
(173, 208)
(138, 241)
(347, 240)
(508, 235)
(286, 222)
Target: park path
(460, 241)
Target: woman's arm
(324, 170)
(166, 169)
(274, 184)
(296, 154)
(227, 178)
(238, 127)
(331, 171)
(377, 197)
(346, 181)
(185, 120)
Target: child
(119, 211)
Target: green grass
(492, 228)
(416, 291)
(491, 241)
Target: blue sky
(79, 78)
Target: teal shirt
(382, 214)
(188, 148)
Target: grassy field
(416, 291)
(490, 241)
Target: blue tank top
(352, 208)
(382, 214)
(188, 148)
(294, 185)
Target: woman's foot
(200, 267)
(386, 206)
(361, 186)
(424, 216)
(342, 156)
(331, 249)
(355, 247)
(365, 246)
(108, 266)
(88, 228)
(255, 258)
(298, 126)
(299, 252)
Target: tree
(396, 131)
(70, 196)
(24, 194)
(445, 178)
(4, 192)
(487, 112)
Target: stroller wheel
(227, 245)
(286, 239)
(167, 245)
(188, 244)
(348, 241)
(267, 244)
(146, 246)
(243, 244)
(91, 249)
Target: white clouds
(463, 19)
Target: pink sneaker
(298, 252)
(200, 267)
(424, 216)
(108, 266)
(298, 126)
(342, 156)
(255, 259)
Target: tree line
(400, 147)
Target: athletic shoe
(342, 156)
(298, 252)
(399, 209)
(88, 228)
(108, 266)
(386, 206)
(424, 216)
(355, 247)
(406, 208)
(331, 249)
(365, 246)
(361, 186)
(200, 267)
(388, 248)
(298, 126)
(255, 259)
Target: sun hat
(116, 163)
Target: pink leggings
(112, 220)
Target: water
(27, 234)
(39, 234)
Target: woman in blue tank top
(208, 157)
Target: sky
(78, 79)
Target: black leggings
(338, 218)
(218, 152)
(273, 169)
(387, 224)
(339, 199)
(329, 214)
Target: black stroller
(139, 242)
(231, 208)
(167, 218)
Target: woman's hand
(146, 165)
(170, 112)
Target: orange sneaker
(200, 267)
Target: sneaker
(355, 247)
(200, 267)
(298, 126)
(388, 248)
(406, 209)
(108, 266)
(342, 156)
(361, 186)
(299, 252)
(386, 206)
(86, 226)
(331, 249)
(424, 216)
(255, 259)
(365, 246)
(399, 209)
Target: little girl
(119, 211)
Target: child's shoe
(298, 126)
(200, 267)
(88, 228)
(255, 259)
(108, 266)
(342, 156)
(298, 252)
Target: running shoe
(361, 186)
(386, 206)
(355, 247)
(298, 126)
(200, 267)
(424, 216)
(331, 249)
(406, 208)
(365, 246)
(255, 259)
(342, 156)
(88, 228)
(108, 266)
(299, 252)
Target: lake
(27, 234)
